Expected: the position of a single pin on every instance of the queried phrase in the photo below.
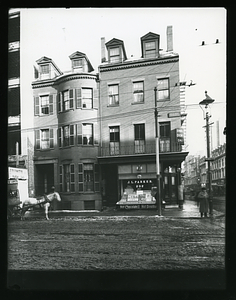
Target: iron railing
(165, 146)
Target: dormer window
(150, 45)
(150, 49)
(116, 51)
(80, 62)
(45, 71)
(114, 55)
(77, 64)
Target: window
(87, 98)
(138, 92)
(44, 74)
(114, 55)
(88, 176)
(43, 105)
(164, 136)
(44, 139)
(114, 140)
(65, 100)
(163, 89)
(87, 134)
(139, 138)
(77, 63)
(45, 69)
(66, 136)
(68, 177)
(150, 49)
(113, 92)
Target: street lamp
(208, 100)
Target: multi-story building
(203, 171)
(14, 91)
(218, 170)
(127, 99)
(192, 176)
(66, 132)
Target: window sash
(45, 69)
(87, 134)
(114, 134)
(87, 98)
(45, 143)
(113, 93)
(139, 132)
(163, 88)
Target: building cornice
(63, 78)
(136, 64)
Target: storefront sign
(17, 173)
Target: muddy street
(115, 243)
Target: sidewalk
(190, 210)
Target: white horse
(42, 201)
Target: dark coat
(204, 203)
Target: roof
(77, 55)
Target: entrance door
(111, 185)
(44, 179)
(170, 188)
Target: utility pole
(209, 161)
(208, 100)
(158, 194)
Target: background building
(14, 92)
(127, 147)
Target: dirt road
(115, 243)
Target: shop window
(114, 140)
(139, 138)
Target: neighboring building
(127, 146)
(14, 91)
(218, 170)
(66, 132)
(203, 171)
(192, 177)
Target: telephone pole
(158, 194)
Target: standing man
(203, 200)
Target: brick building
(127, 146)
(66, 132)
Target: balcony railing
(165, 146)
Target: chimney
(103, 54)
(169, 37)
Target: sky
(59, 32)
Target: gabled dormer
(116, 51)
(80, 63)
(150, 43)
(47, 68)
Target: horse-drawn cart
(13, 201)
